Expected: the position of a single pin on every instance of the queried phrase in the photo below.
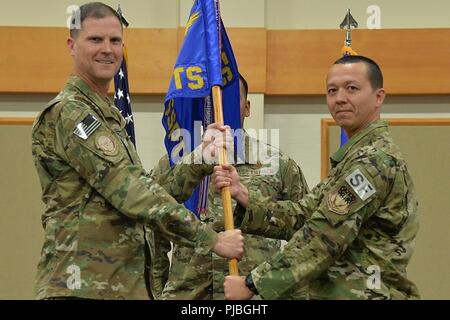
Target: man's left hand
(235, 288)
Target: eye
(331, 91)
(95, 39)
(352, 88)
(116, 41)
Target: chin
(342, 120)
(106, 76)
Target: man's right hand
(230, 244)
(226, 175)
(216, 137)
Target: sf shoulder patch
(107, 145)
(360, 184)
(339, 202)
(86, 127)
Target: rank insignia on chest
(339, 202)
(86, 127)
(107, 145)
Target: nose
(106, 48)
(341, 96)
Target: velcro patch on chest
(86, 127)
(339, 202)
(360, 184)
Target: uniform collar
(104, 104)
(342, 152)
(242, 149)
(242, 152)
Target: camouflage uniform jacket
(278, 178)
(97, 197)
(358, 237)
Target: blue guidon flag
(205, 60)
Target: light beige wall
(328, 14)
(273, 14)
(21, 236)
(140, 13)
(256, 118)
(54, 13)
(235, 13)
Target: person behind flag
(204, 64)
(193, 276)
(355, 232)
(97, 195)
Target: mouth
(343, 111)
(104, 62)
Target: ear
(71, 46)
(380, 95)
(247, 109)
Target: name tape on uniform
(360, 184)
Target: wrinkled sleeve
(124, 185)
(158, 262)
(277, 219)
(331, 228)
(181, 180)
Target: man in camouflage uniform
(194, 276)
(97, 195)
(358, 226)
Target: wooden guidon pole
(226, 195)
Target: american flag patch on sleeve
(86, 127)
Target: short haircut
(374, 71)
(244, 82)
(96, 10)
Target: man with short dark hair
(354, 233)
(97, 195)
(194, 276)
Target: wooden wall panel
(298, 60)
(33, 59)
(13, 121)
(275, 62)
(414, 61)
(250, 50)
(151, 56)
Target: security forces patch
(360, 184)
(107, 145)
(340, 201)
(86, 127)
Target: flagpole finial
(122, 18)
(348, 24)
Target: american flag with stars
(122, 98)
